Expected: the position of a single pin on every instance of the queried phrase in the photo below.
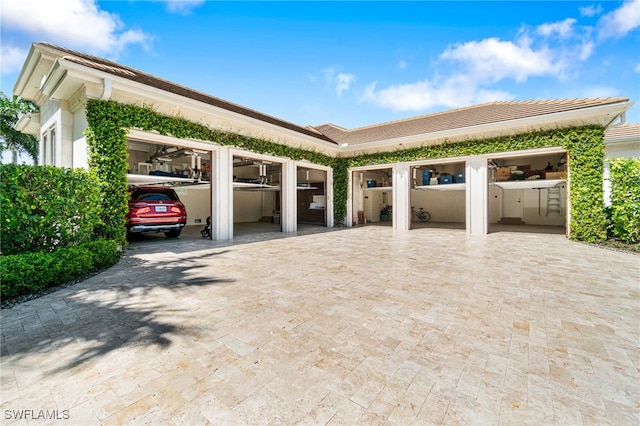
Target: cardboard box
(556, 175)
(503, 173)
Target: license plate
(161, 209)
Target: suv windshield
(154, 195)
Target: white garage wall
(248, 205)
(495, 204)
(268, 202)
(443, 206)
(196, 200)
(532, 216)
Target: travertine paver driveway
(359, 326)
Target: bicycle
(422, 215)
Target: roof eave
(66, 76)
(602, 115)
(28, 123)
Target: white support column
(355, 197)
(401, 210)
(289, 201)
(329, 194)
(222, 194)
(477, 195)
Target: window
(52, 140)
(49, 146)
(45, 142)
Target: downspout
(106, 89)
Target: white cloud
(79, 24)
(343, 81)
(590, 11)
(563, 29)
(11, 58)
(621, 21)
(338, 81)
(403, 65)
(550, 50)
(586, 50)
(454, 92)
(182, 6)
(492, 59)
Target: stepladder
(553, 200)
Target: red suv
(155, 209)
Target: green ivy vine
(109, 121)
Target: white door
(512, 203)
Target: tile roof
(623, 131)
(153, 81)
(459, 118)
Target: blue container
(458, 178)
(446, 178)
(371, 183)
(426, 177)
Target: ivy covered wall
(109, 120)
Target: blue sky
(349, 63)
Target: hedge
(49, 218)
(34, 271)
(45, 208)
(625, 198)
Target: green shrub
(625, 199)
(25, 273)
(32, 272)
(45, 208)
(104, 253)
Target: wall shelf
(443, 187)
(529, 184)
(379, 188)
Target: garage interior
(373, 197)
(440, 190)
(311, 196)
(257, 195)
(187, 170)
(528, 193)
